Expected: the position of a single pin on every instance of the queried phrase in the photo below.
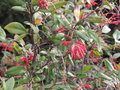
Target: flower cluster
(77, 50)
(43, 4)
(27, 59)
(5, 47)
(112, 15)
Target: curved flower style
(78, 51)
(43, 4)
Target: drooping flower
(66, 43)
(78, 51)
(43, 4)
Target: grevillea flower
(5, 47)
(30, 57)
(66, 43)
(84, 85)
(27, 59)
(115, 22)
(92, 3)
(43, 4)
(60, 29)
(87, 85)
(77, 88)
(78, 50)
(82, 17)
(116, 67)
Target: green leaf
(18, 8)
(4, 84)
(95, 19)
(96, 52)
(80, 76)
(17, 70)
(10, 83)
(2, 34)
(19, 38)
(94, 36)
(82, 35)
(116, 36)
(15, 28)
(17, 48)
(48, 85)
(107, 3)
(108, 65)
(85, 69)
(102, 75)
(116, 55)
(16, 2)
(21, 87)
(56, 5)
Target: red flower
(77, 88)
(78, 51)
(94, 3)
(88, 5)
(87, 85)
(25, 59)
(82, 17)
(84, 85)
(60, 29)
(5, 47)
(43, 4)
(9, 49)
(116, 67)
(65, 43)
(30, 57)
(115, 22)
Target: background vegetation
(60, 44)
